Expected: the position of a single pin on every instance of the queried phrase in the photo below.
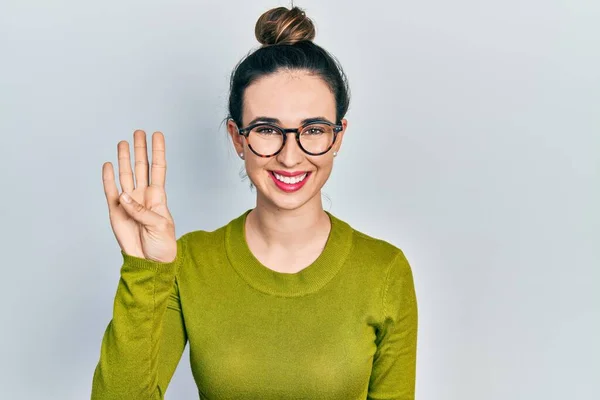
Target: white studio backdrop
(472, 144)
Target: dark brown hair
(287, 37)
(282, 26)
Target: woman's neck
(277, 228)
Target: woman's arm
(394, 366)
(145, 339)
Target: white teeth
(289, 179)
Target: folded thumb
(138, 212)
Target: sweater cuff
(143, 263)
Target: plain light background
(472, 144)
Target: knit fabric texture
(344, 327)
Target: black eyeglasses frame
(246, 132)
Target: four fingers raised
(126, 174)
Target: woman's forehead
(289, 97)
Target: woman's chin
(286, 201)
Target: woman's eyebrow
(277, 121)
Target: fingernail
(126, 198)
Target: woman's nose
(291, 154)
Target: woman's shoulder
(373, 248)
(203, 238)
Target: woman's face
(289, 97)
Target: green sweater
(345, 327)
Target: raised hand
(144, 226)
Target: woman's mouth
(289, 183)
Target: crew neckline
(308, 280)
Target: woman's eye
(315, 130)
(265, 130)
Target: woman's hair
(286, 36)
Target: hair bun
(284, 26)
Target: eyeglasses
(314, 138)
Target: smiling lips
(289, 182)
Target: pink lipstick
(289, 187)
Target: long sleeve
(393, 374)
(145, 339)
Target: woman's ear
(340, 136)
(236, 138)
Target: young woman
(286, 301)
